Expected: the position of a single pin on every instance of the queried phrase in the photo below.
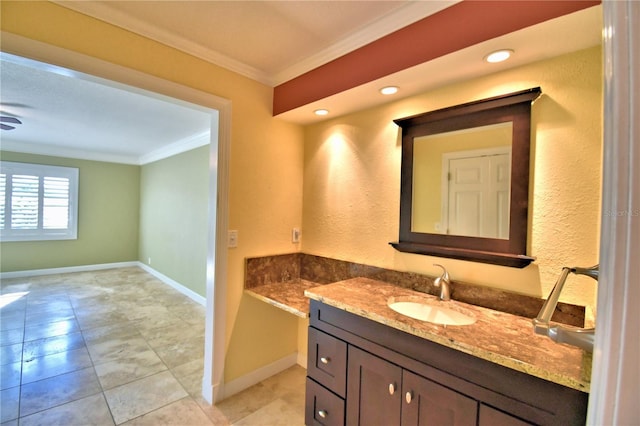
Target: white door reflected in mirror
(462, 182)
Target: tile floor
(118, 347)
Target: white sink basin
(435, 314)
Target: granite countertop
(501, 338)
(285, 295)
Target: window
(38, 202)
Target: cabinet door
(373, 390)
(492, 417)
(428, 403)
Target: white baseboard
(302, 360)
(66, 270)
(176, 285)
(256, 376)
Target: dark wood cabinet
(361, 372)
(374, 391)
(382, 393)
(428, 403)
(491, 417)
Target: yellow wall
(265, 169)
(349, 203)
(352, 179)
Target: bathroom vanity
(369, 365)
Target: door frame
(614, 381)
(219, 148)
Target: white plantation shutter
(38, 202)
(24, 201)
(55, 214)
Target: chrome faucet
(444, 283)
(581, 337)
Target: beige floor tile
(246, 402)
(178, 330)
(181, 352)
(53, 365)
(9, 404)
(58, 390)
(92, 410)
(128, 369)
(102, 334)
(38, 319)
(11, 336)
(152, 324)
(133, 327)
(276, 413)
(51, 345)
(10, 375)
(111, 350)
(135, 399)
(10, 354)
(50, 329)
(93, 320)
(192, 367)
(182, 412)
(12, 321)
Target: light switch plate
(295, 235)
(232, 239)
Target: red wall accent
(461, 25)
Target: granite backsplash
(323, 270)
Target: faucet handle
(444, 276)
(444, 283)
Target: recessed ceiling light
(499, 55)
(321, 112)
(389, 90)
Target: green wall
(107, 219)
(174, 196)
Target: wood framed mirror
(464, 186)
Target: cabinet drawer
(327, 361)
(322, 407)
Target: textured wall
(352, 178)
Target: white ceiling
(75, 115)
(269, 41)
(71, 114)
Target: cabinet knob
(325, 360)
(408, 397)
(392, 388)
(323, 414)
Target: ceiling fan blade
(5, 127)
(6, 119)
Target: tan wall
(352, 179)
(265, 170)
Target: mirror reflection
(462, 182)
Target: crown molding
(104, 12)
(57, 151)
(400, 18)
(184, 145)
(406, 15)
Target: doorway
(215, 327)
